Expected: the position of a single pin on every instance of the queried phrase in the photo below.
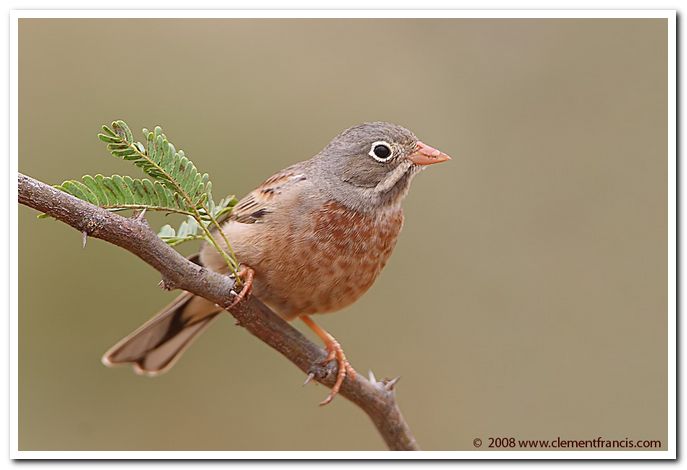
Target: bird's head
(371, 165)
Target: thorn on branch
(90, 226)
(386, 383)
(322, 371)
(166, 284)
(139, 215)
(310, 376)
(389, 384)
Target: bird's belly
(328, 266)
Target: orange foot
(246, 275)
(334, 352)
(344, 368)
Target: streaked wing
(253, 208)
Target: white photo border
(14, 451)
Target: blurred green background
(526, 296)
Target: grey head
(370, 166)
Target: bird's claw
(335, 352)
(246, 275)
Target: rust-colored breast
(331, 263)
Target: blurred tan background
(526, 297)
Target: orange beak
(426, 155)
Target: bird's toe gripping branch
(334, 353)
(246, 275)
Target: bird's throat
(392, 189)
(399, 175)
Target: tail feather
(154, 347)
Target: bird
(311, 239)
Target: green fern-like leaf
(220, 209)
(175, 186)
(123, 192)
(159, 159)
(190, 230)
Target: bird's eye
(380, 151)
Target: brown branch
(375, 398)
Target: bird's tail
(155, 347)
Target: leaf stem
(221, 232)
(182, 240)
(231, 261)
(117, 207)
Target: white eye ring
(380, 159)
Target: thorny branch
(377, 399)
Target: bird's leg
(246, 275)
(334, 352)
